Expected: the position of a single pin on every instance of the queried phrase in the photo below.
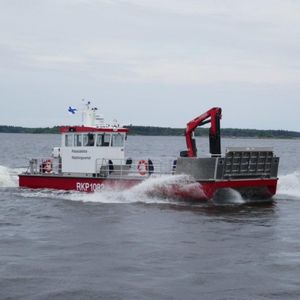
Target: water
(136, 245)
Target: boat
(92, 156)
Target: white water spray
(289, 185)
(228, 197)
(152, 190)
(8, 177)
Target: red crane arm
(214, 132)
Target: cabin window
(69, 140)
(103, 140)
(88, 139)
(117, 140)
(78, 140)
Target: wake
(8, 177)
(148, 191)
(289, 185)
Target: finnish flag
(72, 110)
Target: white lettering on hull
(89, 187)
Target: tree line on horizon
(167, 131)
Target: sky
(151, 62)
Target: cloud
(255, 10)
(123, 62)
(170, 41)
(57, 60)
(191, 72)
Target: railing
(134, 168)
(106, 167)
(44, 166)
(254, 163)
(237, 163)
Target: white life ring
(142, 167)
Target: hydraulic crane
(212, 116)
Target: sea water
(136, 244)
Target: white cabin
(84, 149)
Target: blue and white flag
(72, 110)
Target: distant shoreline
(167, 131)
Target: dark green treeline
(166, 131)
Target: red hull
(204, 190)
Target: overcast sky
(151, 62)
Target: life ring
(47, 166)
(142, 167)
